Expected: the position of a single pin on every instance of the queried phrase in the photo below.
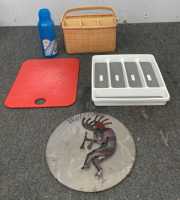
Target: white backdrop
(25, 12)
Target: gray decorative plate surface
(90, 152)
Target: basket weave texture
(89, 33)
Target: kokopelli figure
(105, 136)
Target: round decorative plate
(90, 152)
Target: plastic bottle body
(47, 34)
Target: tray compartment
(133, 74)
(149, 74)
(130, 93)
(101, 75)
(116, 72)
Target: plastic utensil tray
(127, 80)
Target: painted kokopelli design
(105, 136)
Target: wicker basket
(89, 33)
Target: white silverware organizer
(127, 80)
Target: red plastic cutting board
(53, 80)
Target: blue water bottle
(47, 34)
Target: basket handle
(89, 8)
